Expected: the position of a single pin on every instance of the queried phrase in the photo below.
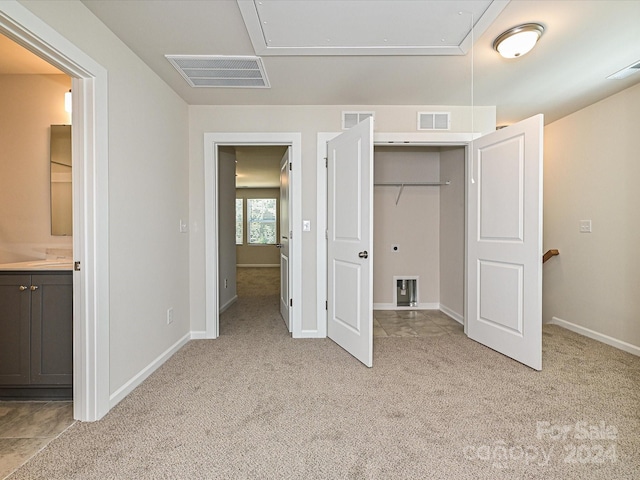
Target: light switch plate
(306, 225)
(585, 226)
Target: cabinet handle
(33, 288)
(22, 288)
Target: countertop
(38, 265)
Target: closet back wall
(413, 224)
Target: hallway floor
(27, 427)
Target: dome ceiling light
(519, 40)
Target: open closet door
(350, 241)
(283, 245)
(504, 257)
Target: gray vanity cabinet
(15, 329)
(36, 332)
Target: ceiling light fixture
(519, 40)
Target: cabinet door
(52, 329)
(14, 329)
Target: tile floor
(414, 323)
(26, 427)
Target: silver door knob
(278, 245)
(33, 288)
(364, 254)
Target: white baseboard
(128, 387)
(614, 342)
(420, 306)
(258, 265)
(198, 335)
(228, 304)
(455, 315)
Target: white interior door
(504, 257)
(283, 244)
(350, 241)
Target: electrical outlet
(585, 226)
(169, 316)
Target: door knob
(33, 288)
(364, 254)
(278, 245)
(22, 288)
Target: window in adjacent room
(239, 222)
(261, 221)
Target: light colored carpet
(266, 406)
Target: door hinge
(291, 302)
(290, 167)
(326, 305)
(326, 162)
(76, 266)
(326, 234)
(290, 234)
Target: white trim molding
(91, 399)
(453, 314)
(600, 337)
(211, 143)
(419, 306)
(143, 374)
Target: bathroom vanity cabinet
(36, 331)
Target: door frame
(379, 139)
(211, 143)
(91, 396)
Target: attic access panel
(367, 27)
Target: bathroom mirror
(61, 165)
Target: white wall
(226, 227)
(412, 224)
(30, 105)
(452, 231)
(148, 195)
(591, 172)
(308, 120)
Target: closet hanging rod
(411, 184)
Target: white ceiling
(354, 27)
(584, 42)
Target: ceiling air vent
(351, 119)
(434, 120)
(221, 70)
(625, 72)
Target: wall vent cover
(434, 120)
(351, 119)
(221, 70)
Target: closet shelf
(409, 184)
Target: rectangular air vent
(351, 119)
(221, 70)
(625, 72)
(434, 120)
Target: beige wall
(452, 231)
(591, 172)
(148, 195)
(30, 105)
(412, 224)
(308, 120)
(248, 255)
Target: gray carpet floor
(257, 404)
